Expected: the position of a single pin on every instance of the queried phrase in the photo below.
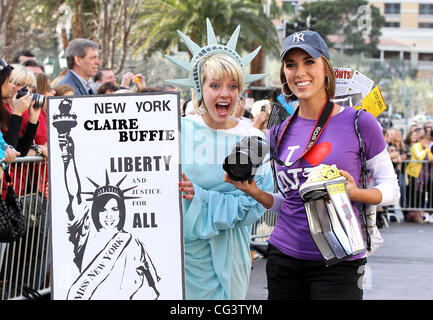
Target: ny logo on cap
(298, 37)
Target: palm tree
(161, 19)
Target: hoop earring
(282, 90)
(201, 110)
(326, 82)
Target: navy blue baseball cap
(307, 40)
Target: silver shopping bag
(332, 221)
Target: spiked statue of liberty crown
(109, 189)
(212, 48)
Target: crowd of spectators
(412, 158)
(84, 76)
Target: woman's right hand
(186, 187)
(260, 120)
(247, 187)
(126, 79)
(139, 81)
(11, 154)
(250, 188)
(20, 105)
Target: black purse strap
(319, 126)
(8, 177)
(363, 177)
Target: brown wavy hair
(329, 77)
(5, 74)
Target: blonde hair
(219, 66)
(22, 75)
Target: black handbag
(12, 221)
(33, 210)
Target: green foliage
(287, 8)
(360, 29)
(153, 26)
(323, 12)
(413, 95)
(373, 68)
(155, 77)
(35, 26)
(161, 19)
(276, 10)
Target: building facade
(408, 33)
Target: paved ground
(401, 269)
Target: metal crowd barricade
(24, 264)
(262, 229)
(416, 192)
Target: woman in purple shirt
(295, 268)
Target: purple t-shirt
(338, 144)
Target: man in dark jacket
(83, 61)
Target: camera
(38, 98)
(245, 158)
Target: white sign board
(360, 83)
(342, 79)
(116, 215)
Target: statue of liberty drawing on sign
(113, 264)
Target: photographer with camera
(39, 146)
(11, 115)
(44, 90)
(21, 76)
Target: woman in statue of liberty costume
(113, 264)
(217, 217)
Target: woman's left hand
(351, 186)
(186, 187)
(22, 104)
(34, 113)
(44, 151)
(10, 154)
